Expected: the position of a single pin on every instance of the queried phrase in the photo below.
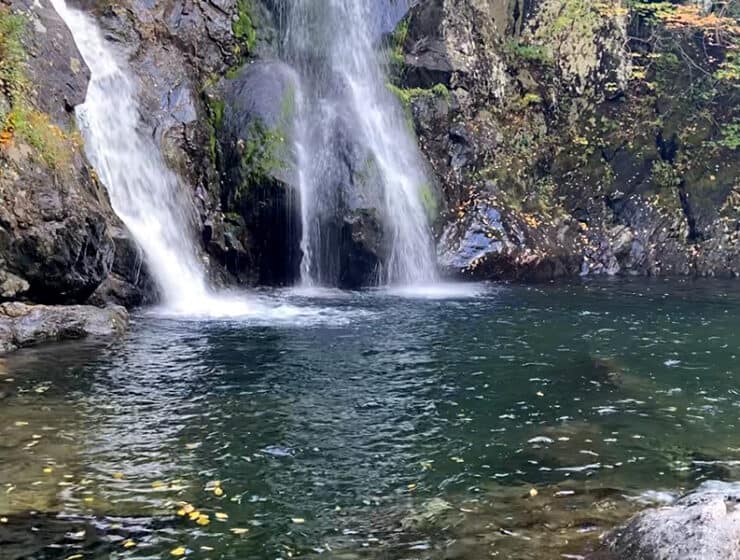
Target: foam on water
(442, 290)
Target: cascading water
(144, 193)
(332, 44)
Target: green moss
(216, 110)
(529, 53)
(407, 95)
(398, 40)
(243, 28)
(530, 99)
(730, 136)
(429, 201)
(665, 176)
(261, 155)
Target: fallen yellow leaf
(129, 544)
(239, 531)
(221, 516)
(179, 551)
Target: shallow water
(374, 425)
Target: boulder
(702, 525)
(491, 242)
(23, 325)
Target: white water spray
(144, 192)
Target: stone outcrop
(702, 525)
(23, 325)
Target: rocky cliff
(574, 137)
(564, 137)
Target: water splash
(144, 192)
(333, 46)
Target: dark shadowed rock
(702, 525)
(23, 325)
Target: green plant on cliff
(260, 155)
(12, 54)
(730, 135)
(398, 40)
(407, 95)
(243, 28)
(50, 143)
(536, 54)
(665, 175)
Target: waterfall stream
(144, 192)
(333, 46)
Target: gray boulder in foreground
(24, 325)
(702, 525)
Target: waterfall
(332, 45)
(144, 192)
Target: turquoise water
(518, 423)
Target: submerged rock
(702, 525)
(24, 325)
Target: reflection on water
(520, 423)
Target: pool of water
(503, 422)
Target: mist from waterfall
(344, 99)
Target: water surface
(374, 425)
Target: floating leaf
(48, 470)
(217, 491)
(239, 531)
(221, 516)
(179, 551)
(203, 520)
(118, 476)
(129, 543)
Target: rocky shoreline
(23, 325)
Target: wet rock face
(23, 325)
(56, 69)
(703, 525)
(259, 239)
